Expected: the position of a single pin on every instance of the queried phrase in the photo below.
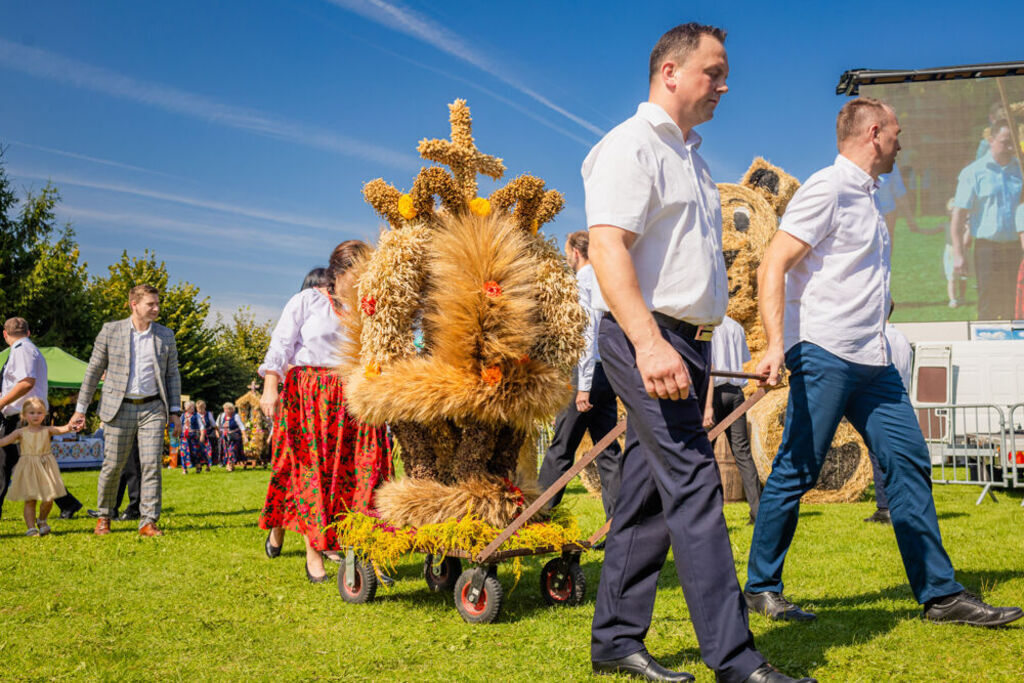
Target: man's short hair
(679, 42)
(997, 127)
(16, 327)
(136, 293)
(580, 241)
(858, 113)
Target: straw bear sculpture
(465, 330)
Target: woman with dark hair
(325, 461)
(315, 278)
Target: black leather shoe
(776, 606)
(315, 579)
(95, 514)
(966, 608)
(128, 516)
(881, 517)
(766, 673)
(270, 549)
(640, 665)
(70, 512)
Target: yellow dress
(36, 476)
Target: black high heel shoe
(271, 549)
(315, 579)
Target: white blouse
(309, 333)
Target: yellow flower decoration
(406, 208)
(534, 226)
(480, 206)
(372, 370)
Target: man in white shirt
(729, 352)
(823, 289)
(594, 409)
(141, 393)
(902, 359)
(656, 245)
(23, 375)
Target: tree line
(44, 280)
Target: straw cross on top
(460, 153)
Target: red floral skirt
(325, 462)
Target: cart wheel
(363, 588)
(444, 581)
(487, 606)
(574, 585)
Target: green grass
(918, 279)
(204, 603)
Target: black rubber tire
(365, 588)
(574, 590)
(451, 568)
(488, 607)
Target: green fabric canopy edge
(63, 371)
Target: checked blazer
(112, 353)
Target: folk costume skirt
(325, 462)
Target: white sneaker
(953, 303)
(44, 528)
(32, 532)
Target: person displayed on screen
(987, 195)
(995, 113)
(893, 202)
(956, 284)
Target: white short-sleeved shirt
(24, 361)
(837, 296)
(729, 351)
(901, 353)
(644, 177)
(309, 333)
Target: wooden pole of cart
(542, 500)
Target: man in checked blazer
(141, 392)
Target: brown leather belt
(698, 332)
(140, 401)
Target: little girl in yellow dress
(36, 476)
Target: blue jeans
(823, 389)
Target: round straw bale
(847, 470)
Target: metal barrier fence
(968, 444)
(1015, 453)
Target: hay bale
(847, 470)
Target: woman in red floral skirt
(325, 461)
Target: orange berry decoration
(492, 289)
(368, 305)
(491, 375)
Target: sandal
(32, 532)
(44, 528)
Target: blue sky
(233, 138)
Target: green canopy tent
(63, 371)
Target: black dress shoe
(128, 516)
(315, 579)
(95, 514)
(776, 606)
(881, 516)
(70, 512)
(272, 550)
(766, 673)
(965, 608)
(640, 665)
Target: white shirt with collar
(729, 351)
(644, 177)
(590, 295)
(837, 296)
(143, 367)
(25, 361)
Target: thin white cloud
(95, 160)
(411, 23)
(235, 238)
(223, 207)
(51, 66)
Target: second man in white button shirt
(823, 290)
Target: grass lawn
(204, 603)
(918, 279)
